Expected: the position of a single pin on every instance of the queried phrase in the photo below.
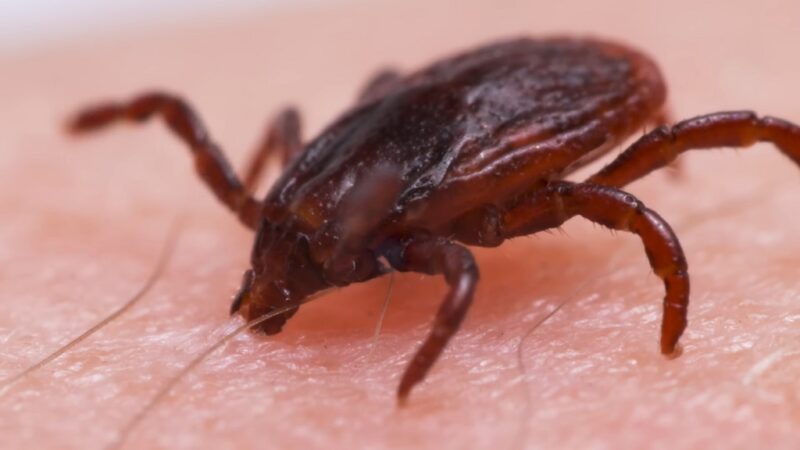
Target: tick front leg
(379, 85)
(456, 263)
(552, 206)
(348, 237)
(725, 129)
(283, 137)
(210, 163)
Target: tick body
(472, 150)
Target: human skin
(84, 221)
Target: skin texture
(83, 223)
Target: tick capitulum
(471, 150)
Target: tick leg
(455, 262)
(283, 137)
(666, 117)
(210, 163)
(725, 129)
(360, 213)
(379, 85)
(550, 207)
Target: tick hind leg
(551, 206)
(725, 129)
(456, 263)
(211, 164)
(283, 138)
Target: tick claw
(674, 353)
(402, 400)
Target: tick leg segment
(359, 215)
(283, 137)
(725, 129)
(666, 117)
(455, 262)
(552, 206)
(210, 163)
(379, 85)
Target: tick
(469, 151)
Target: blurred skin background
(83, 222)
(37, 23)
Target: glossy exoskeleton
(471, 150)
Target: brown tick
(472, 150)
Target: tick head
(281, 277)
(257, 298)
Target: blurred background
(34, 23)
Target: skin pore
(561, 346)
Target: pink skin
(83, 222)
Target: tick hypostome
(471, 150)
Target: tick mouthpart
(255, 300)
(271, 326)
(244, 292)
